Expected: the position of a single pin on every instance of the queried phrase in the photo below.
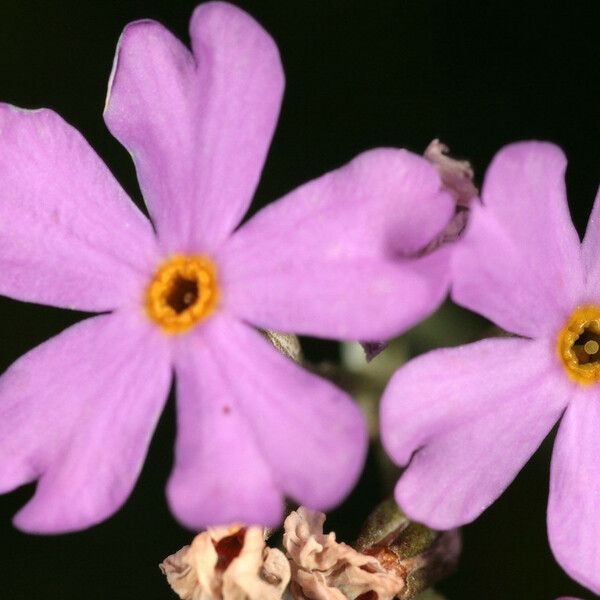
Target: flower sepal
(411, 551)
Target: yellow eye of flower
(182, 293)
(579, 345)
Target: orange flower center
(182, 293)
(579, 345)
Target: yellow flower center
(579, 345)
(182, 293)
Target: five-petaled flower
(473, 415)
(77, 413)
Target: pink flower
(77, 413)
(473, 415)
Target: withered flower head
(231, 563)
(324, 569)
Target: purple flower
(77, 413)
(473, 415)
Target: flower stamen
(579, 345)
(182, 293)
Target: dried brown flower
(228, 563)
(324, 569)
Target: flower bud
(408, 550)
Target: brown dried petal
(244, 579)
(456, 175)
(229, 563)
(323, 569)
(180, 575)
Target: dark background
(359, 75)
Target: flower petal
(220, 474)
(327, 259)
(198, 126)
(69, 236)
(78, 412)
(472, 415)
(573, 517)
(254, 425)
(519, 261)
